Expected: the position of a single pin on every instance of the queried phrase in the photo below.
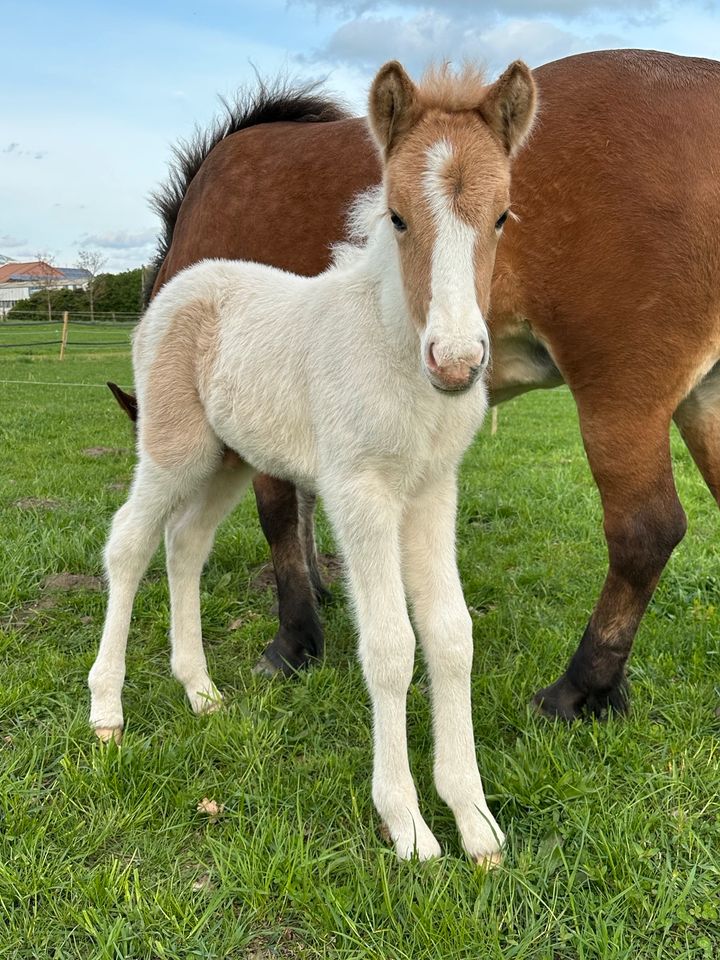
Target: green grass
(613, 829)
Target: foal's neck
(381, 263)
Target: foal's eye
(500, 222)
(397, 222)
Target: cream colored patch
(106, 734)
(172, 422)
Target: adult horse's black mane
(267, 102)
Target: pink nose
(458, 373)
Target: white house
(18, 281)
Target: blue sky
(94, 93)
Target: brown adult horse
(609, 281)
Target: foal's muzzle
(456, 375)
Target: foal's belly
(274, 436)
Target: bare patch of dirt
(31, 610)
(286, 946)
(51, 587)
(330, 568)
(72, 581)
(37, 503)
(96, 452)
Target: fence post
(63, 342)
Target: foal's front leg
(445, 630)
(366, 517)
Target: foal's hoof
(564, 701)
(203, 702)
(490, 862)
(106, 734)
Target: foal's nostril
(432, 359)
(478, 358)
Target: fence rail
(61, 328)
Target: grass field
(613, 828)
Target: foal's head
(447, 146)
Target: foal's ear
(509, 106)
(394, 106)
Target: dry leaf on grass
(204, 884)
(211, 808)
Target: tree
(46, 280)
(116, 296)
(93, 261)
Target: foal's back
(211, 362)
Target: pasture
(613, 828)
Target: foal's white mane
(364, 218)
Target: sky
(95, 93)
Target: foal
(363, 384)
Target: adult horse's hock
(609, 281)
(365, 384)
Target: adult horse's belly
(618, 213)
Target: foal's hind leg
(134, 537)
(189, 536)
(644, 521)
(299, 639)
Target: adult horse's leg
(644, 521)
(306, 515)
(299, 639)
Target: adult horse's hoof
(266, 668)
(106, 734)
(562, 700)
(290, 652)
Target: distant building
(18, 281)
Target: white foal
(364, 385)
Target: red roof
(38, 268)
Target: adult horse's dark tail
(266, 102)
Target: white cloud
(120, 239)
(8, 242)
(491, 9)
(14, 149)
(432, 36)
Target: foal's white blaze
(456, 336)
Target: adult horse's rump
(609, 281)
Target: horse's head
(447, 146)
